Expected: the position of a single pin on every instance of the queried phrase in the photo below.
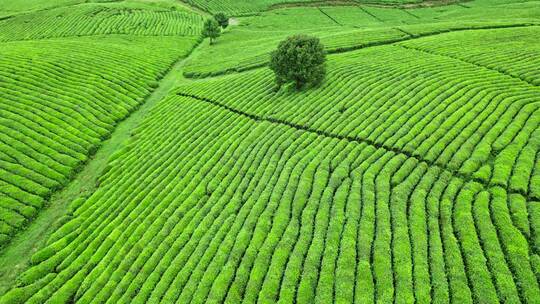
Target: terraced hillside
(237, 8)
(467, 115)
(61, 98)
(412, 174)
(347, 28)
(57, 108)
(102, 19)
(9, 7)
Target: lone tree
(211, 30)
(222, 20)
(299, 59)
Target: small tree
(211, 30)
(222, 19)
(299, 59)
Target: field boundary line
(352, 48)
(329, 17)
(374, 3)
(420, 159)
(409, 13)
(370, 14)
(430, 52)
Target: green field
(345, 28)
(141, 164)
(239, 8)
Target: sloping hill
(407, 175)
(238, 8)
(248, 44)
(60, 99)
(412, 174)
(102, 19)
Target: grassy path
(15, 257)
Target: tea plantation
(141, 164)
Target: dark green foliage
(211, 30)
(299, 59)
(222, 19)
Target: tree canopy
(222, 19)
(211, 30)
(299, 59)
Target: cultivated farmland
(239, 8)
(345, 28)
(100, 19)
(57, 108)
(141, 164)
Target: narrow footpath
(15, 257)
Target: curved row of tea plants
(102, 19)
(234, 54)
(10, 7)
(472, 120)
(516, 53)
(248, 44)
(239, 8)
(207, 205)
(236, 8)
(239, 51)
(57, 106)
